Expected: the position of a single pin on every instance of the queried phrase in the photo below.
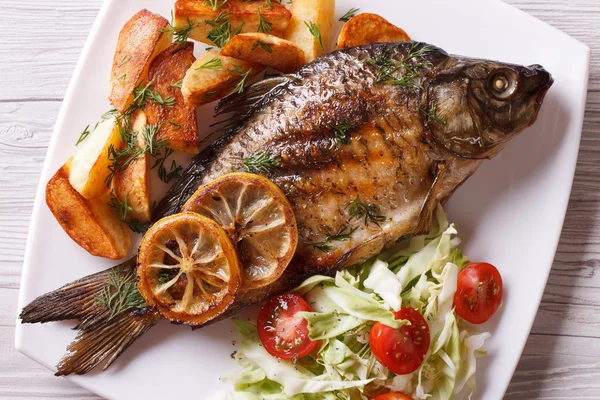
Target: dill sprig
(341, 133)
(386, 68)
(124, 61)
(222, 31)
(315, 30)
(120, 293)
(432, 115)
(181, 35)
(215, 64)
(263, 25)
(342, 235)
(239, 71)
(215, 4)
(122, 209)
(370, 212)
(350, 14)
(261, 161)
(86, 132)
(265, 46)
(176, 84)
(167, 175)
(155, 96)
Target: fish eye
(502, 84)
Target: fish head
(474, 107)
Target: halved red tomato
(283, 334)
(478, 293)
(401, 350)
(392, 396)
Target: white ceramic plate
(509, 213)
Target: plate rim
(85, 53)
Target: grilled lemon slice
(258, 219)
(188, 268)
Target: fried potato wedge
(369, 28)
(239, 14)
(90, 223)
(178, 122)
(90, 165)
(213, 76)
(131, 183)
(264, 49)
(304, 14)
(142, 38)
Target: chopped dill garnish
(342, 235)
(237, 70)
(315, 30)
(359, 210)
(265, 46)
(387, 69)
(173, 173)
(222, 30)
(215, 4)
(263, 25)
(120, 208)
(175, 125)
(124, 61)
(261, 161)
(341, 133)
(120, 293)
(109, 114)
(432, 115)
(86, 132)
(350, 14)
(122, 78)
(181, 35)
(214, 64)
(155, 96)
(176, 85)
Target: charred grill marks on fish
(385, 132)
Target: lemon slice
(188, 268)
(258, 219)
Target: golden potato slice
(369, 28)
(90, 223)
(213, 76)
(133, 181)
(89, 168)
(264, 49)
(142, 38)
(307, 16)
(239, 15)
(179, 121)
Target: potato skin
(196, 11)
(178, 122)
(369, 28)
(319, 12)
(283, 56)
(201, 86)
(90, 223)
(142, 38)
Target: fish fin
(431, 201)
(360, 253)
(242, 103)
(75, 300)
(103, 342)
(110, 311)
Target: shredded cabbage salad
(420, 272)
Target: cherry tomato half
(479, 292)
(282, 334)
(401, 350)
(392, 396)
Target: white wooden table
(39, 46)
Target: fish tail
(110, 312)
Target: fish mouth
(544, 82)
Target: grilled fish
(365, 143)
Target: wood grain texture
(38, 52)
